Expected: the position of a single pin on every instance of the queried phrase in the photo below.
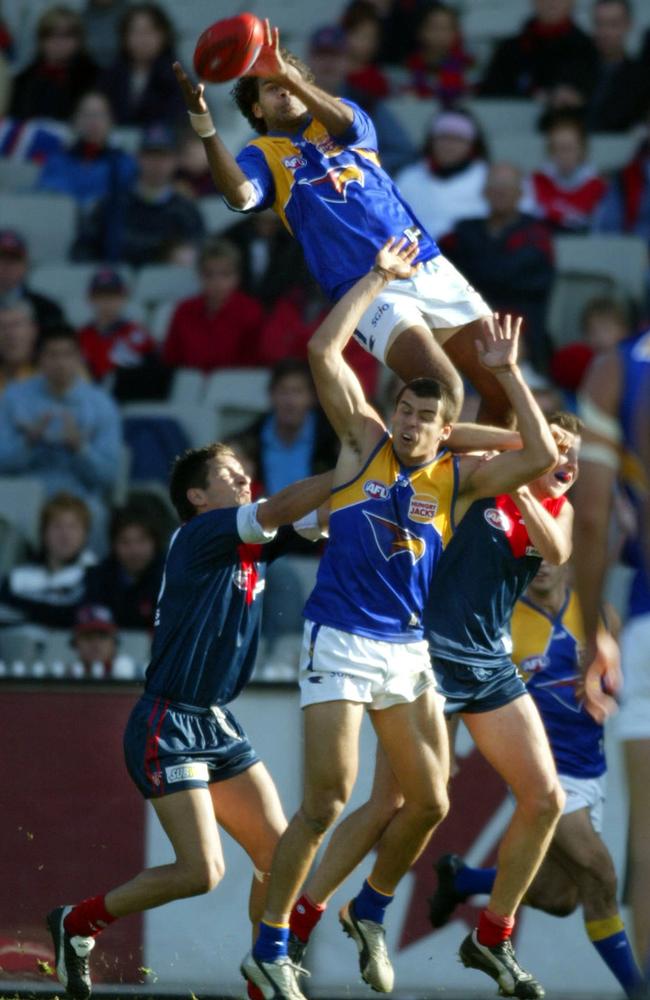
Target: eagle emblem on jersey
(394, 540)
(335, 182)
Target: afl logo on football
(423, 508)
(375, 490)
(497, 519)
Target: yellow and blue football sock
(612, 944)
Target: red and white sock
(493, 929)
(304, 917)
(254, 992)
(88, 918)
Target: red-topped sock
(304, 917)
(88, 918)
(254, 992)
(493, 929)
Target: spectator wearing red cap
(567, 190)
(14, 265)
(91, 167)
(113, 344)
(447, 183)
(137, 226)
(438, 65)
(220, 327)
(95, 640)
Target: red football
(228, 48)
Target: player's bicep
(503, 472)
(260, 179)
(340, 394)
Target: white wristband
(202, 124)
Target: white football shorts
(585, 793)
(339, 666)
(437, 296)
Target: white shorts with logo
(340, 666)
(585, 793)
(633, 720)
(437, 296)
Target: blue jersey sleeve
(361, 132)
(252, 162)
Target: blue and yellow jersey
(634, 355)
(546, 650)
(485, 568)
(333, 195)
(388, 527)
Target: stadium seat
(161, 282)
(188, 387)
(197, 422)
(12, 545)
(611, 151)
(17, 175)
(47, 221)
(214, 212)
(127, 138)
(136, 644)
(414, 115)
(621, 258)
(21, 499)
(62, 281)
(500, 115)
(237, 395)
(525, 150)
(570, 294)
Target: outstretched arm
(551, 536)
(338, 388)
(511, 469)
(229, 179)
(295, 501)
(334, 114)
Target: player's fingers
(276, 39)
(267, 31)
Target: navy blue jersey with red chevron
(486, 566)
(208, 613)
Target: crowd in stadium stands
(90, 109)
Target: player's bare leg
(460, 347)
(331, 756)
(578, 853)
(637, 763)
(248, 807)
(414, 353)
(531, 775)
(414, 739)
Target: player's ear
(196, 496)
(256, 109)
(445, 432)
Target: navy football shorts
(170, 747)
(473, 688)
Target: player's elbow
(558, 555)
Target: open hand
(192, 93)
(498, 349)
(602, 678)
(396, 258)
(269, 62)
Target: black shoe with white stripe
(71, 956)
(501, 964)
(446, 897)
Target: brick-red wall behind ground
(72, 823)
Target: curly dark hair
(246, 91)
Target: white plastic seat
(18, 175)
(63, 281)
(21, 499)
(621, 258)
(47, 222)
(200, 422)
(161, 282)
(188, 387)
(499, 115)
(415, 115)
(215, 214)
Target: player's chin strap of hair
(202, 124)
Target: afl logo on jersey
(497, 519)
(294, 162)
(375, 490)
(533, 665)
(423, 508)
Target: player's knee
(432, 808)
(322, 811)
(204, 876)
(543, 805)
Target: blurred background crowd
(138, 316)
